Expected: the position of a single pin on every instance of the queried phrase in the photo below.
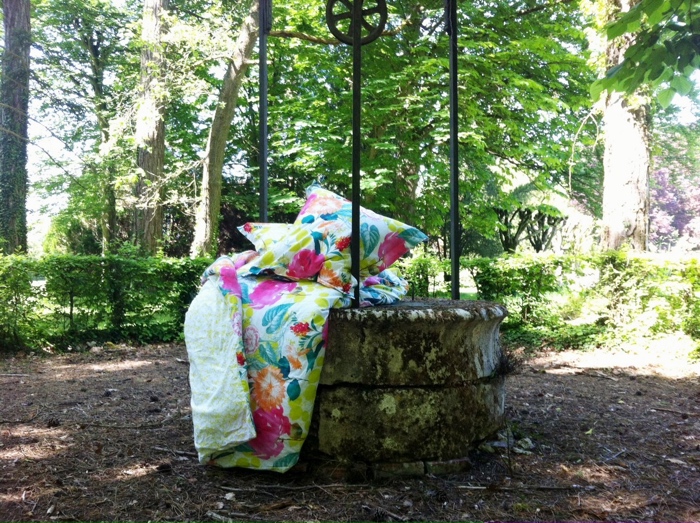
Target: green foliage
(665, 51)
(552, 335)
(523, 72)
(421, 271)
(18, 299)
(93, 298)
(581, 302)
(520, 282)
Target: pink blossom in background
(229, 280)
(269, 292)
(270, 426)
(305, 264)
(391, 249)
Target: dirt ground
(106, 435)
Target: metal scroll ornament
(340, 19)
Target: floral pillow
(316, 251)
(264, 235)
(382, 240)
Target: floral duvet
(256, 346)
(256, 332)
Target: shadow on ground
(107, 435)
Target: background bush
(65, 300)
(553, 301)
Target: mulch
(106, 435)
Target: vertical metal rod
(451, 22)
(264, 28)
(356, 143)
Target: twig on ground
(301, 487)
(218, 517)
(252, 489)
(525, 487)
(615, 455)
(18, 422)
(125, 427)
(178, 452)
(686, 414)
(598, 374)
(385, 511)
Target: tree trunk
(14, 102)
(209, 205)
(93, 45)
(626, 161)
(150, 131)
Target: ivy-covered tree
(14, 101)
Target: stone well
(415, 382)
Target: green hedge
(604, 299)
(65, 300)
(555, 301)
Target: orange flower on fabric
(292, 355)
(294, 362)
(268, 388)
(330, 278)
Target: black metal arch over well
(358, 13)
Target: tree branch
(538, 8)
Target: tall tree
(14, 102)
(209, 201)
(626, 159)
(150, 130)
(81, 73)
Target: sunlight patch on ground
(667, 357)
(139, 471)
(92, 368)
(22, 443)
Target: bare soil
(106, 435)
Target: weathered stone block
(412, 382)
(407, 423)
(439, 342)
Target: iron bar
(451, 28)
(356, 143)
(265, 25)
